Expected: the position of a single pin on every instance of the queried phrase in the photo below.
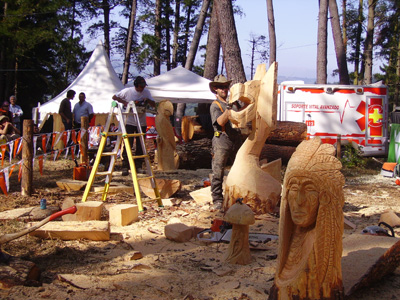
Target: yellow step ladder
(122, 137)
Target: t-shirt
(82, 110)
(17, 112)
(65, 107)
(130, 94)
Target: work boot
(216, 206)
(125, 172)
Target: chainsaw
(221, 231)
(379, 230)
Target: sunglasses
(221, 87)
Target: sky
(296, 26)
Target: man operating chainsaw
(226, 140)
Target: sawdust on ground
(168, 270)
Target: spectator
(16, 112)
(8, 131)
(82, 109)
(65, 110)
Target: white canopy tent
(180, 85)
(97, 80)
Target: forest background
(45, 44)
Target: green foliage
(42, 50)
(351, 157)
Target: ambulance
(358, 115)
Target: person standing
(16, 112)
(82, 109)
(142, 97)
(65, 110)
(226, 140)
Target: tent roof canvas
(180, 85)
(98, 80)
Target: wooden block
(202, 196)
(166, 187)
(88, 211)
(178, 232)
(348, 224)
(123, 214)
(74, 230)
(368, 258)
(71, 185)
(114, 188)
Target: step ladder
(122, 137)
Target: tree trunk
(369, 42)
(322, 42)
(397, 80)
(197, 35)
(358, 44)
(106, 26)
(27, 156)
(229, 41)
(271, 32)
(339, 47)
(213, 47)
(344, 25)
(128, 49)
(175, 45)
(157, 34)
(187, 29)
(167, 27)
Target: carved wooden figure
(240, 216)
(247, 179)
(167, 157)
(311, 226)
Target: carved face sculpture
(303, 201)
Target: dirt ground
(168, 270)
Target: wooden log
(195, 154)
(74, 230)
(366, 259)
(288, 134)
(166, 187)
(15, 271)
(84, 143)
(272, 152)
(27, 157)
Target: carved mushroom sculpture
(240, 216)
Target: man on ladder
(142, 97)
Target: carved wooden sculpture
(166, 147)
(311, 226)
(246, 179)
(240, 216)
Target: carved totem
(311, 225)
(247, 179)
(167, 157)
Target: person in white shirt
(82, 109)
(16, 112)
(142, 97)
